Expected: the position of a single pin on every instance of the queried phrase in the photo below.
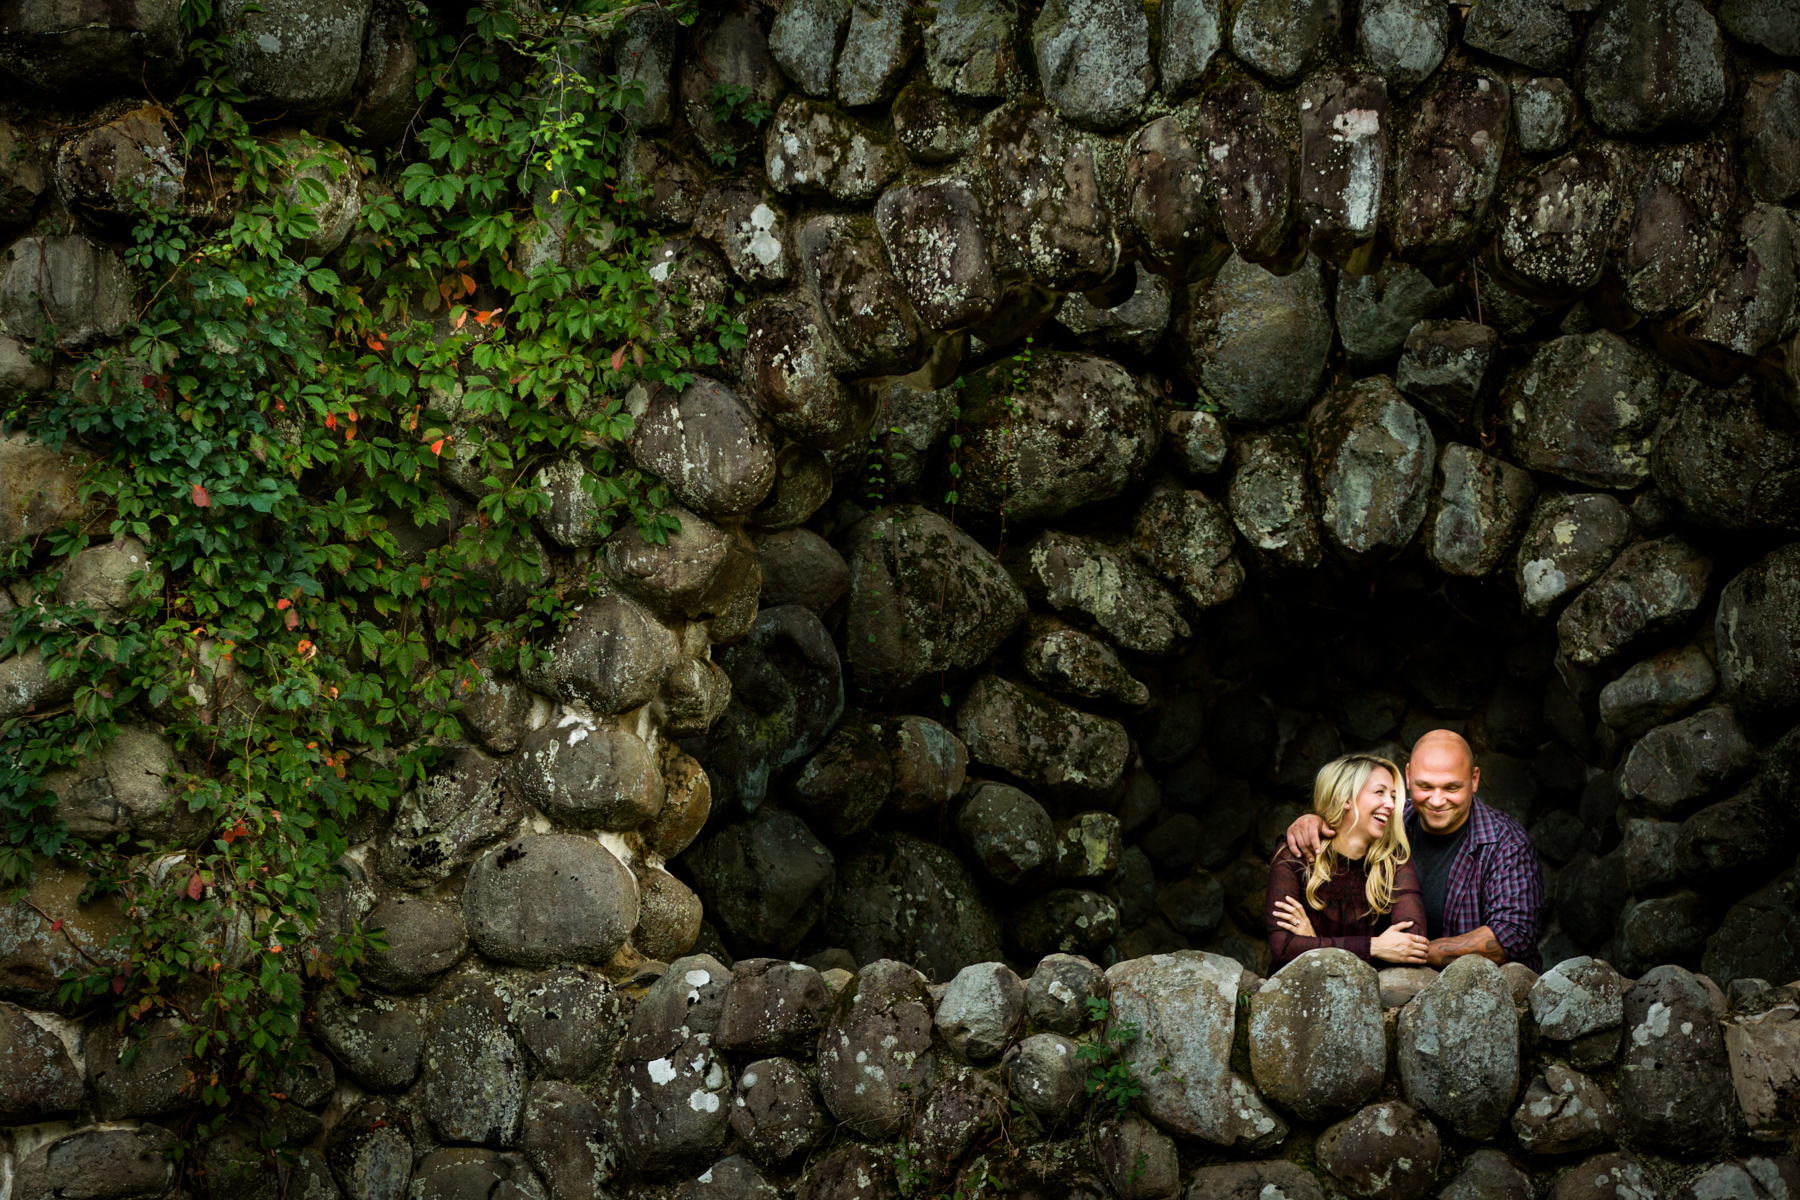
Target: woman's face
(1375, 805)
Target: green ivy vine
(266, 424)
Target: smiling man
(1479, 874)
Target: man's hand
(1306, 835)
(1397, 946)
(1477, 941)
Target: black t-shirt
(1432, 854)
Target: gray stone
(611, 654)
(1046, 744)
(1543, 114)
(1746, 311)
(980, 1009)
(1064, 659)
(669, 916)
(932, 126)
(123, 788)
(1586, 409)
(300, 56)
(1316, 1042)
(708, 446)
(1344, 136)
(1045, 1076)
(1758, 635)
(1376, 313)
(333, 169)
(871, 322)
(1578, 997)
(1760, 935)
(1185, 1006)
(466, 1174)
(929, 594)
(750, 228)
(464, 803)
(1477, 511)
(370, 1151)
(1649, 849)
(776, 1111)
(1040, 184)
(18, 372)
(1448, 366)
(903, 898)
(122, 167)
(1674, 766)
(812, 147)
(804, 39)
(1762, 1047)
(1564, 1112)
(1063, 431)
(1186, 537)
(1089, 846)
(1555, 228)
(38, 1079)
(1193, 906)
(1650, 587)
(936, 241)
(1136, 324)
(788, 356)
(1197, 442)
(1270, 502)
(1459, 1048)
(876, 1049)
(1386, 1151)
(1256, 342)
(1404, 40)
(376, 1042)
(1282, 39)
(850, 1172)
(800, 567)
(121, 1163)
(765, 881)
(1138, 1159)
(879, 44)
(425, 938)
(474, 1070)
(1660, 689)
(970, 47)
(1750, 1178)
(588, 773)
(675, 1109)
(929, 764)
(1666, 929)
(1252, 172)
(732, 1178)
(65, 283)
(1773, 25)
(1675, 1092)
(1533, 33)
(570, 1020)
(1570, 541)
(59, 49)
(1653, 65)
(1090, 584)
(728, 48)
(1770, 132)
(157, 1077)
(550, 898)
(1008, 833)
(1093, 57)
(772, 1006)
(1192, 34)
(644, 48)
(1254, 1181)
(1607, 1177)
(1372, 457)
(1487, 1174)
(1064, 921)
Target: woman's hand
(1290, 914)
(1395, 945)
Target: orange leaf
(437, 447)
(194, 886)
(456, 322)
(281, 604)
(331, 420)
(201, 497)
(618, 358)
(468, 286)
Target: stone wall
(1391, 366)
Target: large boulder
(549, 898)
(122, 167)
(610, 653)
(1578, 997)
(1372, 457)
(570, 1020)
(1771, 121)
(1480, 505)
(1064, 659)
(1060, 750)
(1649, 588)
(1271, 502)
(1043, 194)
(1184, 1006)
(65, 283)
(787, 691)
(1556, 225)
(1385, 1152)
(925, 597)
(675, 1087)
(1171, 211)
(425, 937)
(301, 56)
(1658, 690)
(765, 881)
(1316, 1042)
(878, 45)
(1344, 137)
(1186, 537)
(1459, 1048)
(1090, 584)
(1449, 168)
(1093, 57)
(1758, 635)
(876, 1049)
(1061, 432)
(1675, 1094)
(1674, 766)
(1570, 539)
(812, 147)
(464, 802)
(970, 47)
(126, 1161)
(590, 774)
(707, 444)
(903, 898)
(61, 49)
(1008, 833)
(1256, 342)
(1252, 174)
(1677, 226)
(1653, 65)
(938, 244)
(1282, 39)
(474, 1069)
(1586, 409)
(1763, 1048)
(1404, 40)
(40, 1081)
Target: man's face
(1442, 780)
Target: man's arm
(1477, 941)
(1308, 832)
(1513, 899)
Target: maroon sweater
(1345, 922)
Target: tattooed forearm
(1477, 941)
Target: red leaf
(437, 447)
(194, 886)
(56, 925)
(618, 358)
(331, 420)
(293, 619)
(118, 984)
(201, 497)
(281, 604)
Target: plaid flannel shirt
(1495, 881)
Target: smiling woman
(1361, 893)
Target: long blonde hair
(1335, 789)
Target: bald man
(1479, 874)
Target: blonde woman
(1361, 894)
